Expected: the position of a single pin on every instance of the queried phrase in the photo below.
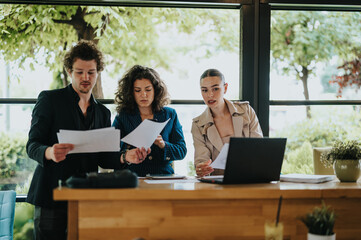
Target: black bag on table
(117, 179)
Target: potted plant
(345, 159)
(320, 223)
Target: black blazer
(55, 110)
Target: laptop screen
(254, 160)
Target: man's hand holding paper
(97, 140)
(58, 151)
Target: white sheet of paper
(189, 180)
(145, 134)
(306, 178)
(220, 162)
(90, 141)
(214, 177)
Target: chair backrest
(7, 212)
(318, 167)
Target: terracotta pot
(347, 170)
(311, 236)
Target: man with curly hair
(71, 108)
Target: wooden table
(206, 211)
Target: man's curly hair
(124, 96)
(84, 50)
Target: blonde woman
(221, 120)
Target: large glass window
(179, 43)
(314, 55)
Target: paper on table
(145, 134)
(97, 140)
(165, 176)
(214, 177)
(306, 178)
(220, 162)
(188, 180)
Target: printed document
(220, 162)
(90, 141)
(145, 134)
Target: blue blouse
(159, 161)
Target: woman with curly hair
(141, 95)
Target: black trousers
(50, 224)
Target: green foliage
(342, 150)
(126, 35)
(57, 81)
(318, 133)
(326, 77)
(320, 221)
(303, 38)
(23, 221)
(13, 155)
(23, 187)
(27, 30)
(26, 232)
(327, 126)
(191, 169)
(299, 161)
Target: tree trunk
(98, 89)
(65, 78)
(86, 31)
(304, 79)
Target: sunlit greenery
(326, 127)
(14, 162)
(342, 150)
(126, 35)
(301, 39)
(23, 221)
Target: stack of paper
(306, 178)
(97, 140)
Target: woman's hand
(136, 155)
(203, 169)
(159, 142)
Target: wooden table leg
(72, 220)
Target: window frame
(264, 80)
(254, 57)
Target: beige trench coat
(206, 139)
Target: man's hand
(58, 151)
